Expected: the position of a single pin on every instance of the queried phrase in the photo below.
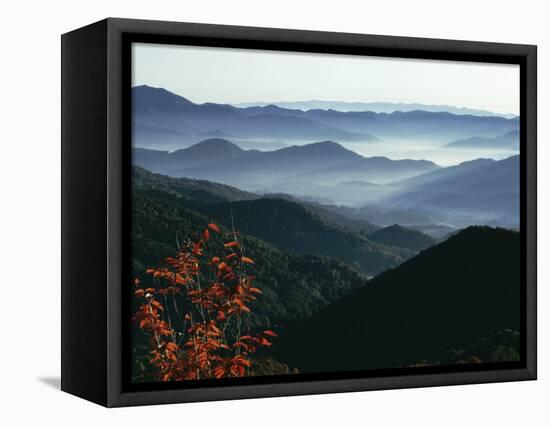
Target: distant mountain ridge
(146, 99)
(461, 169)
(417, 124)
(158, 108)
(222, 161)
(481, 176)
(508, 141)
(479, 191)
(386, 107)
(484, 190)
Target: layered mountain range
(387, 107)
(164, 120)
(484, 190)
(384, 191)
(363, 261)
(223, 161)
(508, 141)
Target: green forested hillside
(399, 236)
(293, 286)
(287, 225)
(331, 215)
(446, 298)
(187, 188)
(291, 227)
(455, 302)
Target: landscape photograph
(305, 213)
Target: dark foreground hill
(446, 298)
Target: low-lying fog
(418, 150)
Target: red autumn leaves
(210, 278)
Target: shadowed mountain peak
(147, 98)
(399, 236)
(214, 146)
(325, 149)
(208, 151)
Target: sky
(227, 75)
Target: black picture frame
(96, 149)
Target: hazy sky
(222, 75)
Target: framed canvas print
(252, 212)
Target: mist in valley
(437, 171)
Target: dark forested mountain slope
(285, 224)
(291, 227)
(201, 190)
(293, 286)
(448, 296)
(331, 214)
(399, 236)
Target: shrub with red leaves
(213, 275)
